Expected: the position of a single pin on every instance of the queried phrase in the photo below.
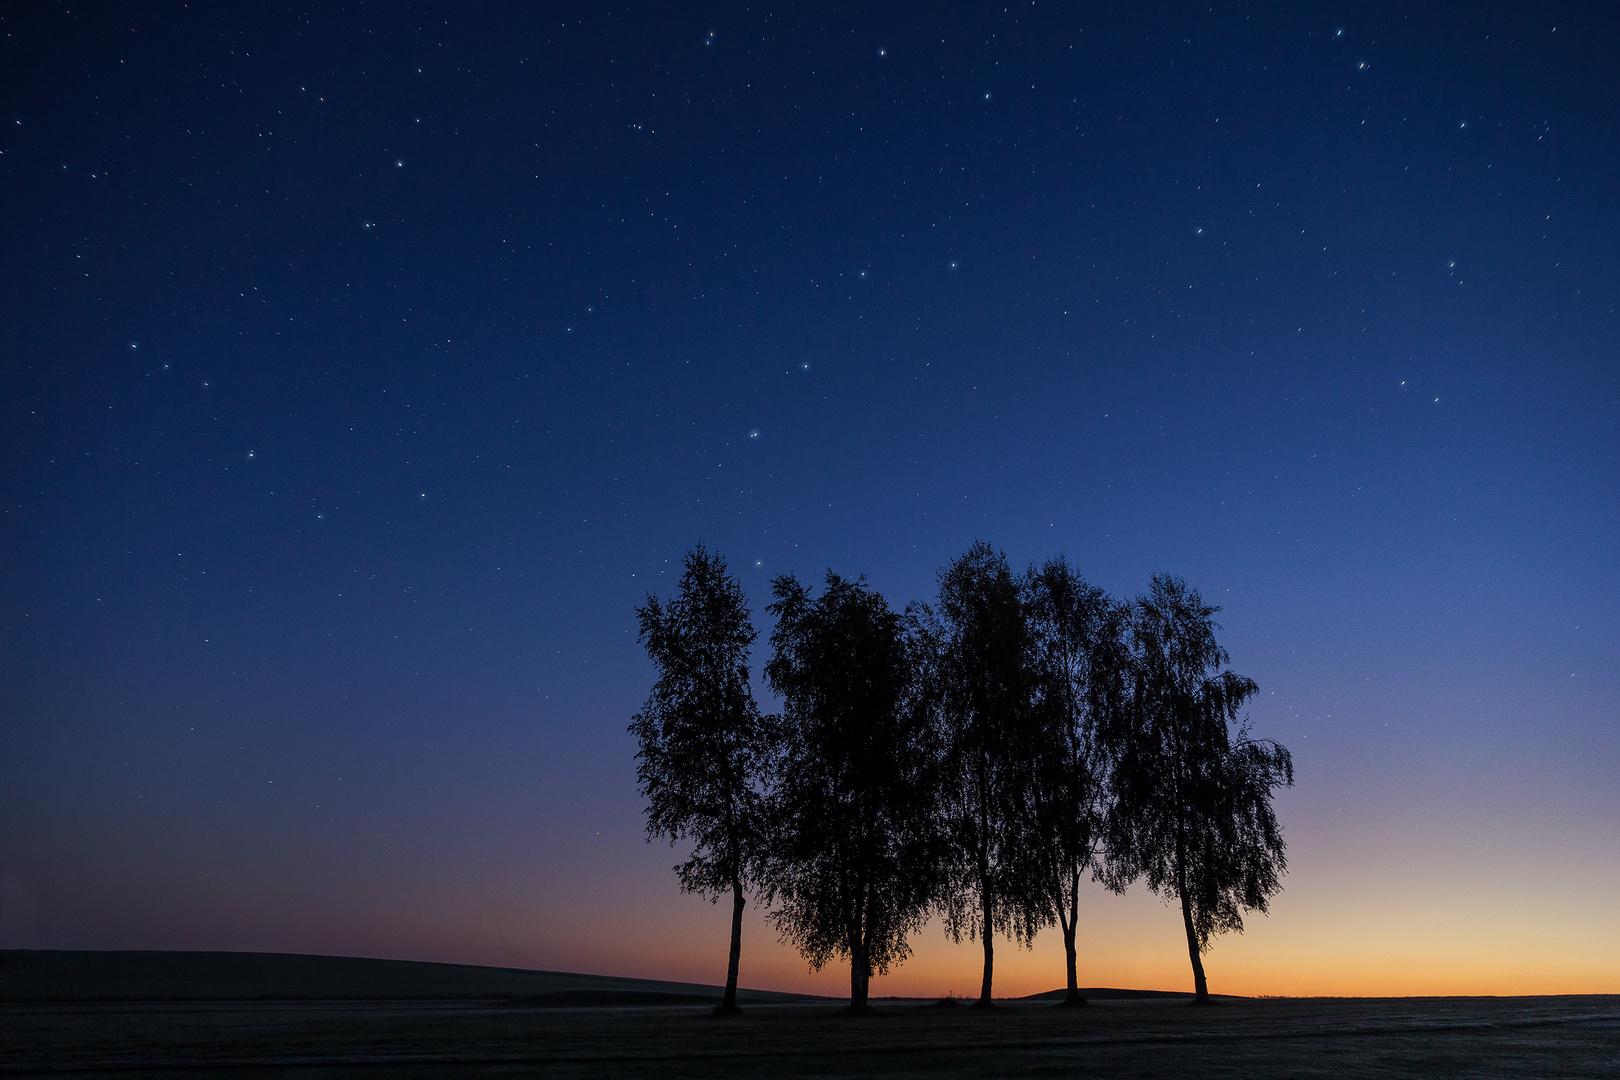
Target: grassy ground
(1428, 1037)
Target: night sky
(364, 368)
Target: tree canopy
(854, 860)
(705, 751)
(984, 650)
(1194, 813)
(1079, 689)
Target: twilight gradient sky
(364, 369)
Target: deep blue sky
(364, 368)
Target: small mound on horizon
(1114, 993)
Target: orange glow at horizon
(1330, 933)
(1136, 942)
(1363, 912)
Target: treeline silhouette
(978, 758)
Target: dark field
(535, 1035)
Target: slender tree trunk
(986, 900)
(1073, 996)
(1200, 987)
(989, 945)
(729, 1004)
(1069, 927)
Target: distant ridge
(59, 975)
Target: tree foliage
(1194, 813)
(1079, 689)
(853, 863)
(705, 749)
(984, 651)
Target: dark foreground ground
(523, 1036)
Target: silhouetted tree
(985, 681)
(1080, 684)
(853, 861)
(705, 749)
(1194, 810)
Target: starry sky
(365, 365)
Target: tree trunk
(1069, 927)
(860, 978)
(1200, 987)
(729, 1003)
(989, 946)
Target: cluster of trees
(979, 759)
